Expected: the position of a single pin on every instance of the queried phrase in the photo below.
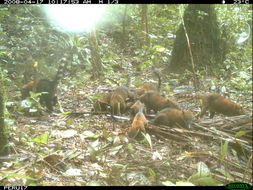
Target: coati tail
(158, 74)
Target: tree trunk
(144, 26)
(4, 150)
(95, 57)
(205, 41)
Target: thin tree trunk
(4, 150)
(144, 25)
(95, 57)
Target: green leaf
(130, 148)
(148, 139)
(26, 103)
(33, 110)
(70, 121)
(43, 139)
(152, 174)
(115, 150)
(36, 95)
(11, 175)
(93, 153)
(202, 167)
(198, 175)
(9, 103)
(89, 134)
(184, 183)
(63, 114)
(168, 183)
(224, 150)
(97, 96)
(206, 181)
(93, 183)
(240, 133)
(244, 75)
(9, 122)
(158, 48)
(105, 134)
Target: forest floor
(89, 149)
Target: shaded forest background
(129, 40)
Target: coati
(119, 98)
(149, 86)
(118, 104)
(154, 101)
(171, 116)
(139, 123)
(133, 110)
(46, 87)
(101, 104)
(216, 103)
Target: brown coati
(154, 101)
(119, 98)
(171, 116)
(102, 103)
(117, 104)
(217, 103)
(133, 110)
(46, 87)
(139, 123)
(149, 86)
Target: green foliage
(32, 104)
(41, 139)
(224, 150)
(179, 183)
(148, 140)
(203, 176)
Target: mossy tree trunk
(95, 57)
(206, 45)
(3, 131)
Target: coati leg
(55, 102)
(212, 113)
(97, 106)
(115, 109)
(118, 109)
(46, 100)
(203, 111)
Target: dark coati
(133, 110)
(149, 86)
(171, 116)
(217, 103)
(154, 101)
(46, 87)
(139, 123)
